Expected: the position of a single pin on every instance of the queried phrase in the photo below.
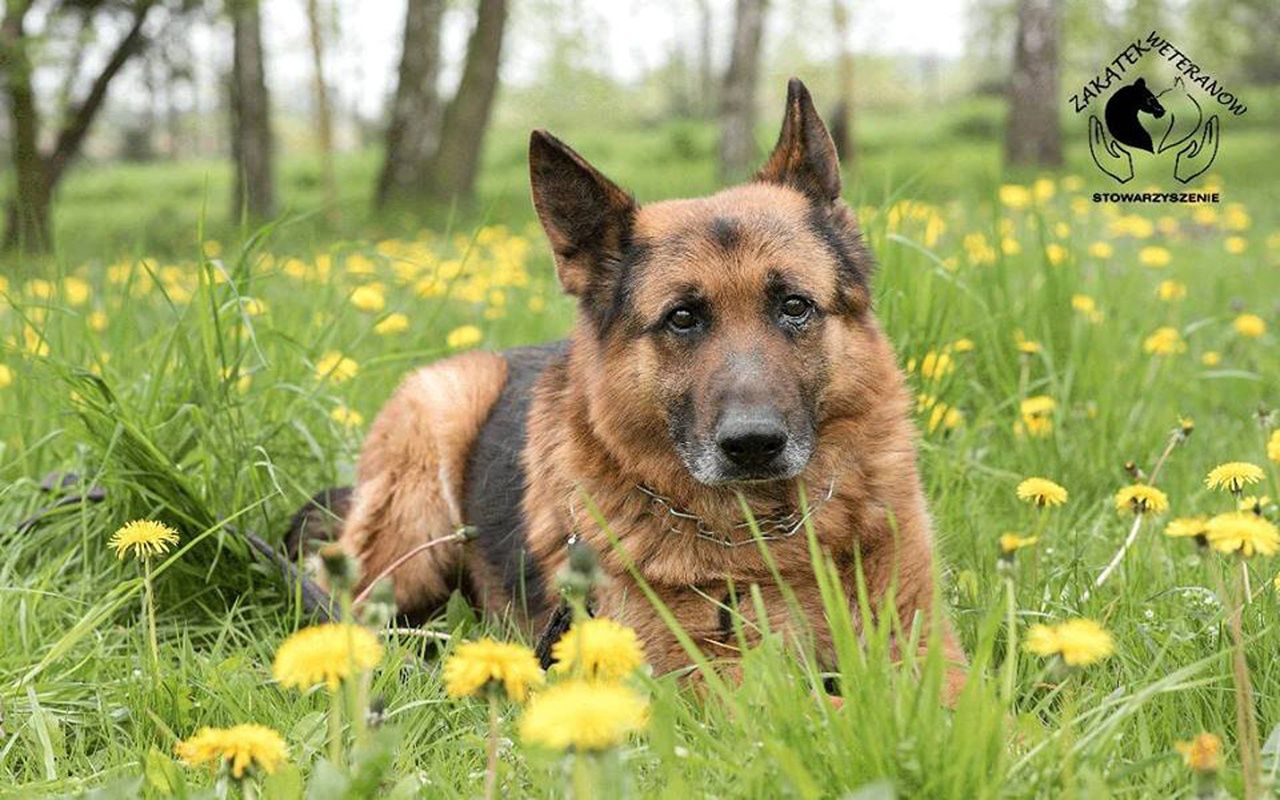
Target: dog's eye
(796, 309)
(683, 320)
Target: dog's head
(717, 324)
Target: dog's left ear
(587, 217)
(804, 157)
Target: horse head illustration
(1122, 114)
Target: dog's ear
(587, 217)
(804, 157)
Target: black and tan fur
(783, 376)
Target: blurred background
(138, 127)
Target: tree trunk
(27, 226)
(842, 118)
(37, 175)
(706, 77)
(453, 167)
(415, 112)
(738, 107)
(251, 145)
(1033, 135)
(324, 115)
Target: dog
(724, 347)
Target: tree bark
(842, 118)
(36, 174)
(1033, 135)
(738, 107)
(706, 79)
(415, 111)
(27, 226)
(324, 114)
(462, 130)
(251, 143)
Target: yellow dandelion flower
(393, 324)
(1042, 492)
(1027, 347)
(369, 299)
(1254, 504)
(98, 321)
(1154, 256)
(1250, 325)
(1235, 245)
(1211, 358)
(1164, 341)
(583, 715)
(1243, 532)
(336, 367)
(1084, 304)
(1011, 543)
(243, 747)
(1171, 291)
(347, 417)
(1101, 250)
(465, 336)
(328, 654)
(1141, 498)
(144, 537)
(1014, 196)
(600, 649)
(936, 366)
(1273, 446)
(6, 376)
(1201, 754)
(962, 346)
(1037, 415)
(1233, 476)
(1079, 642)
(1188, 527)
(474, 665)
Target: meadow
(212, 377)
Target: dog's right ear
(587, 217)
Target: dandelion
(1244, 533)
(465, 336)
(6, 376)
(584, 716)
(1014, 196)
(144, 539)
(1141, 498)
(1189, 528)
(1235, 245)
(1255, 504)
(347, 417)
(393, 324)
(1078, 642)
(1273, 446)
(243, 748)
(964, 345)
(1250, 325)
(1154, 257)
(98, 321)
(1042, 492)
(1171, 291)
(483, 666)
(1211, 358)
(1037, 415)
(1233, 476)
(1201, 754)
(369, 299)
(1011, 543)
(336, 367)
(328, 654)
(1165, 341)
(1101, 250)
(598, 649)
(475, 666)
(1025, 346)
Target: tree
(738, 96)
(1033, 134)
(415, 111)
(452, 171)
(324, 116)
(251, 142)
(37, 173)
(842, 117)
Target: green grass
(152, 408)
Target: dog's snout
(751, 438)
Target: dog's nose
(751, 438)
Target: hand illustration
(1110, 156)
(1196, 157)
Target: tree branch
(73, 133)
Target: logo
(1155, 132)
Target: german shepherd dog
(724, 347)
